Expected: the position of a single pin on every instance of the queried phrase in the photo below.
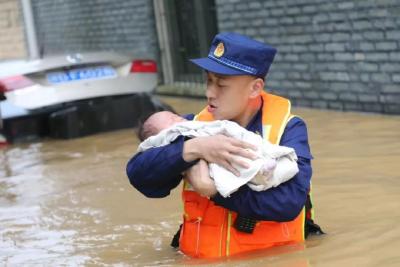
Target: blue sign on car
(89, 73)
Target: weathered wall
(12, 39)
(96, 25)
(331, 54)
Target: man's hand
(199, 177)
(219, 149)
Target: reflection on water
(70, 203)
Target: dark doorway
(192, 25)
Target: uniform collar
(255, 124)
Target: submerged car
(59, 79)
(73, 95)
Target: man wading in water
(247, 220)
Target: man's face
(228, 96)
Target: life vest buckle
(244, 224)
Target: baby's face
(165, 119)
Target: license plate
(90, 73)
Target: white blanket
(225, 181)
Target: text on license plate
(89, 73)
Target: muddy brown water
(69, 203)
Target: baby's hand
(268, 168)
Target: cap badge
(219, 50)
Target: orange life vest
(207, 230)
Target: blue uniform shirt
(157, 171)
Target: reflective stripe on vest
(207, 230)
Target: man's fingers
(229, 167)
(246, 153)
(243, 144)
(236, 160)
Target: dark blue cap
(236, 54)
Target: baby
(273, 166)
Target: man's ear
(257, 87)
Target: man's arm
(282, 203)
(155, 172)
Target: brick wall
(94, 25)
(12, 40)
(331, 54)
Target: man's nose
(210, 91)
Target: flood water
(69, 203)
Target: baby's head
(158, 122)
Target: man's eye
(221, 85)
